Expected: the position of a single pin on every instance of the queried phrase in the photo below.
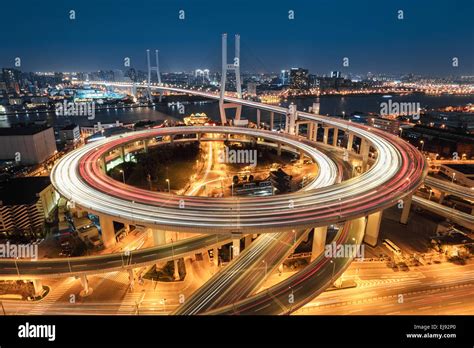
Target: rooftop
(69, 127)
(21, 130)
(22, 190)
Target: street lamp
(168, 182)
(294, 236)
(232, 192)
(452, 180)
(431, 192)
(422, 145)
(401, 131)
(123, 175)
(333, 269)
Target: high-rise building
(312, 80)
(12, 78)
(27, 145)
(25, 203)
(284, 77)
(299, 78)
(336, 74)
(201, 76)
(252, 89)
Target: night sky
(322, 33)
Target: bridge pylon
(150, 69)
(235, 67)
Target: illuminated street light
(452, 179)
(123, 175)
(431, 192)
(169, 188)
(422, 145)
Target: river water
(332, 105)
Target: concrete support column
(222, 111)
(272, 118)
(215, 252)
(372, 228)
(335, 136)
(159, 237)
(238, 112)
(326, 135)
(172, 139)
(102, 165)
(258, 118)
(199, 136)
(319, 241)
(176, 270)
(309, 132)
(292, 117)
(235, 247)
(247, 240)
(86, 290)
(107, 231)
(364, 152)
(38, 285)
(350, 141)
(314, 136)
(279, 149)
(406, 210)
(122, 153)
(441, 197)
(145, 145)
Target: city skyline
(371, 36)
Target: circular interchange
(398, 170)
(79, 178)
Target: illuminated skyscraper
(299, 78)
